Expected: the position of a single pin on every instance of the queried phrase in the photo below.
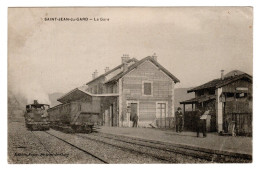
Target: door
(107, 116)
(161, 114)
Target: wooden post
(183, 116)
(120, 103)
(192, 106)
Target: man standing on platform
(179, 120)
(200, 121)
(135, 120)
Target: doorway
(161, 114)
(133, 109)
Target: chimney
(35, 102)
(154, 56)
(95, 74)
(125, 58)
(235, 73)
(222, 74)
(125, 66)
(106, 69)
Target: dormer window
(147, 88)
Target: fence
(167, 122)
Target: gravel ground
(145, 148)
(64, 153)
(24, 147)
(106, 152)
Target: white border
(4, 4)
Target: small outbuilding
(229, 102)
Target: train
(76, 116)
(37, 117)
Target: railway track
(44, 146)
(164, 155)
(173, 149)
(162, 151)
(81, 149)
(127, 149)
(77, 141)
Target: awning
(77, 94)
(199, 99)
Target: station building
(142, 87)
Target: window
(241, 95)
(200, 93)
(147, 88)
(229, 95)
(212, 91)
(95, 89)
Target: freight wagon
(76, 116)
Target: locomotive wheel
(29, 127)
(34, 127)
(88, 129)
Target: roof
(216, 83)
(110, 71)
(228, 81)
(199, 99)
(37, 105)
(79, 93)
(121, 74)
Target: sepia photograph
(130, 85)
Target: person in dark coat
(200, 123)
(135, 120)
(179, 120)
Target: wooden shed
(229, 100)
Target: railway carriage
(77, 116)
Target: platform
(213, 141)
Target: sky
(194, 44)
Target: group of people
(200, 122)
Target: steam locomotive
(36, 116)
